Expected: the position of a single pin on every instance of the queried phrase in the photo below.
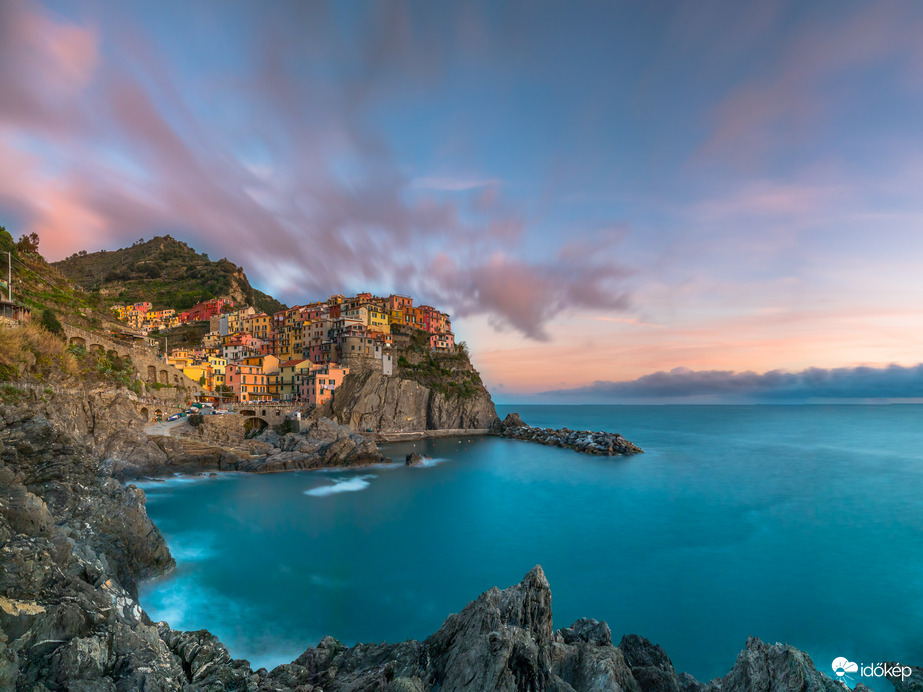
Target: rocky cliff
(429, 390)
(381, 403)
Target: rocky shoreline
(75, 542)
(585, 441)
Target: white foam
(191, 548)
(342, 485)
(427, 463)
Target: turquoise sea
(799, 524)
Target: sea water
(796, 524)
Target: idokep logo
(842, 666)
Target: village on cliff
(300, 354)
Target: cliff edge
(428, 390)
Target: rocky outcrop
(913, 683)
(323, 445)
(379, 403)
(774, 668)
(586, 441)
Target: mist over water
(799, 524)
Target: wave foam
(341, 485)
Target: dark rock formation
(914, 683)
(512, 421)
(379, 403)
(413, 459)
(586, 441)
(774, 668)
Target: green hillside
(164, 271)
(41, 287)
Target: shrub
(31, 351)
(51, 323)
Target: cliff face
(380, 403)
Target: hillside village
(299, 354)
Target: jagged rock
(414, 459)
(774, 668)
(375, 402)
(512, 420)
(589, 631)
(912, 684)
(652, 668)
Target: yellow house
(181, 361)
(378, 319)
(201, 373)
(289, 376)
(218, 365)
(268, 364)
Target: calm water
(801, 524)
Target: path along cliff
(75, 542)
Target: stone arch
(158, 414)
(145, 413)
(164, 377)
(112, 353)
(263, 412)
(77, 341)
(97, 348)
(151, 373)
(247, 412)
(175, 378)
(254, 426)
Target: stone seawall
(427, 434)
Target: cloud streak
(293, 177)
(891, 382)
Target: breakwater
(586, 441)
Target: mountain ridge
(164, 271)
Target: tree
(7, 244)
(28, 243)
(51, 323)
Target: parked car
(176, 416)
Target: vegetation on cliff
(46, 291)
(164, 271)
(31, 352)
(448, 373)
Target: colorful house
(317, 386)
(247, 382)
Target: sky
(615, 201)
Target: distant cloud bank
(891, 382)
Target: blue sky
(595, 191)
